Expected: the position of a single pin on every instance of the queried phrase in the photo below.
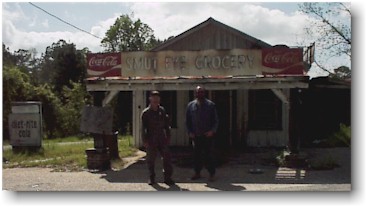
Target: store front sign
(212, 62)
(236, 62)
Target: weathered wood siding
(179, 135)
(274, 138)
(211, 34)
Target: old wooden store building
(255, 85)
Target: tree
(51, 110)
(25, 60)
(76, 97)
(341, 72)
(59, 86)
(129, 35)
(16, 87)
(63, 63)
(330, 33)
(8, 58)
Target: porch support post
(281, 95)
(98, 139)
(284, 96)
(110, 95)
(98, 157)
(294, 121)
(139, 98)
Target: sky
(26, 27)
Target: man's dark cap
(155, 93)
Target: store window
(169, 102)
(265, 110)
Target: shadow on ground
(138, 173)
(241, 169)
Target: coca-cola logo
(104, 65)
(107, 61)
(281, 58)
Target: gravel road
(229, 177)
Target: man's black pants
(164, 151)
(203, 154)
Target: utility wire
(63, 20)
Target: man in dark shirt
(156, 137)
(202, 122)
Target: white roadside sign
(25, 129)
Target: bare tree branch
(326, 21)
(323, 68)
(326, 28)
(345, 8)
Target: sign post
(25, 124)
(98, 121)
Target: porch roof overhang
(189, 83)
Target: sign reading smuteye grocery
(209, 62)
(25, 129)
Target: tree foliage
(330, 29)
(76, 97)
(129, 35)
(8, 58)
(341, 72)
(55, 79)
(16, 87)
(62, 63)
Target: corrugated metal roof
(186, 83)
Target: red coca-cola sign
(285, 60)
(104, 64)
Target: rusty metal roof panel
(257, 77)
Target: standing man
(156, 137)
(202, 122)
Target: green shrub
(280, 158)
(340, 138)
(75, 98)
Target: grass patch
(61, 157)
(67, 139)
(125, 146)
(46, 141)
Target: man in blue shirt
(202, 122)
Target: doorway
(225, 101)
